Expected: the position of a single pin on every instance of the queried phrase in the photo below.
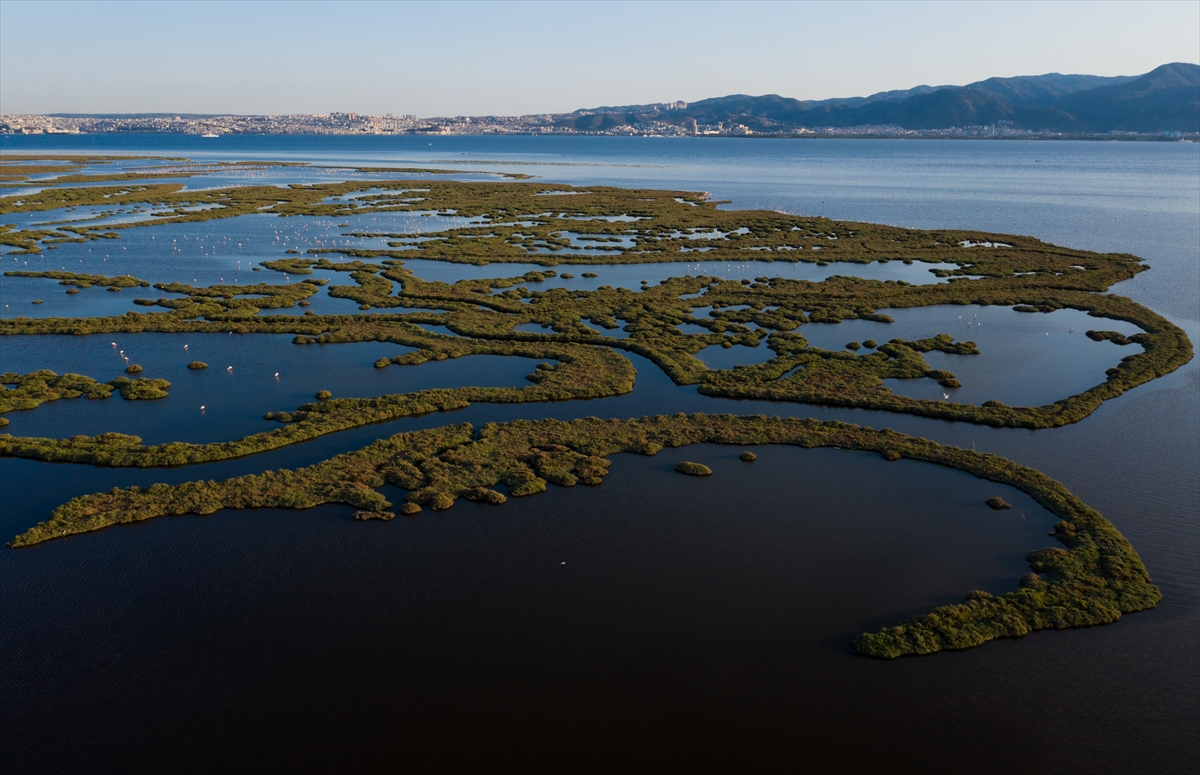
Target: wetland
(467, 368)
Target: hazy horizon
(431, 59)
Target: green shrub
(380, 515)
(693, 469)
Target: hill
(1165, 99)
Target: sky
(510, 58)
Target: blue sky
(472, 58)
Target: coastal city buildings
(577, 123)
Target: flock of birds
(228, 369)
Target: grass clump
(141, 389)
(380, 515)
(748, 457)
(79, 280)
(1111, 336)
(30, 391)
(133, 368)
(197, 365)
(324, 395)
(693, 469)
(997, 503)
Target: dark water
(237, 388)
(697, 625)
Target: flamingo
(276, 375)
(229, 369)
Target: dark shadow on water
(667, 593)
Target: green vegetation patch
(31, 390)
(140, 389)
(514, 222)
(1094, 580)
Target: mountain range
(1166, 99)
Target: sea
(656, 623)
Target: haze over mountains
(1167, 99)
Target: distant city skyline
(448, 59)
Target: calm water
(696, 625)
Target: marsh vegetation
(1095, 579)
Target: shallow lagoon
(370, 645)
(1016, 364)
(1026, 359)
(236, 401)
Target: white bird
(202, 408)
(114, 344)
(276, 375)
(185, 347)
(229, 368)
(946, 396)
(1047, 334)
